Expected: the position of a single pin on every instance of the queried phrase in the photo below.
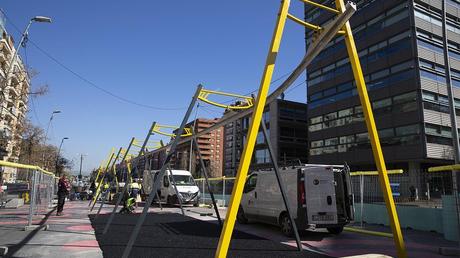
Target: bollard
(32, 197)
(223, 191)
(204, 191)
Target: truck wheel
(241, 217)
(286, 226)
(335, 230)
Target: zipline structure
(323, 35)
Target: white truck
(185, 184)
(320, 196)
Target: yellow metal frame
(449, 168)
(226, 234)
(375, 173)
(18, 165)
(157, 127)
(373, 135)
(237, 192)
(99, 184)
(204, 94)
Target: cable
(90, 83)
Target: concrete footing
(449, 251)
(36, 227)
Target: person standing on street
(63, 191)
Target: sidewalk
(70, 235)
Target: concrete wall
(449, 218)
(426, 219)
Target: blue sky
(150, 52)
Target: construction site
(367, 167)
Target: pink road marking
(81, 245)
(80, 228)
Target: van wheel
(169, 200)
(241, 217)
(286, 226)
(335, 230)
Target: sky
(152, 53)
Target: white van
(186, 186)
(320, 196)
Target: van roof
(177, 172)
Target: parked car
(320, 196)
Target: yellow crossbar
(309, 25)
(17, 165)
(375, 173)
(327, 8)
(454, 167)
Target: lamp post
(57, 156)
(46, 135)
(49, 123)
(16, 51)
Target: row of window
(403, 135)
(367, 55)
(435, 18)
(436, 72)
(397, 104)
(435, 43)
(368, 29)
(378, 79)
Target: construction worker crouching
(135, 190)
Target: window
(407, 130)
(251, 183)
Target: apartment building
(211, 146)
(286, 123)
(13, 102)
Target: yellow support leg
(373, 135)
(243, 168)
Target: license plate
(323, 217)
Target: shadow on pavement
(174, 235)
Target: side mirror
(166, 183)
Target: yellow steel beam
(203, 96)
(455, 167)
(17, 165)
(375, 173)
(309, 25)
(327, 8)
(98, 189)
(243, 168)
(157, 129)
(373, 135)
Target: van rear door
(320, 195)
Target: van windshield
(182, 180)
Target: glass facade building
(401, 53)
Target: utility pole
(453, 117)
(81, 163)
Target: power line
(87, 81)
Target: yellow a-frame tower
(340, 25)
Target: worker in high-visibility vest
(135, 191)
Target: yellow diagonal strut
(243, 168)
(373, 135)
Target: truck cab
(189, 193)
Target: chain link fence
(22, 185)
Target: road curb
(368, 232)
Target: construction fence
(26, 184)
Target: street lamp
(49, 122)
(22, 42)
(59, 151)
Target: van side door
(249, 202)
